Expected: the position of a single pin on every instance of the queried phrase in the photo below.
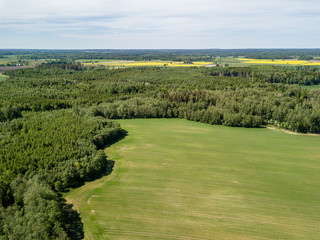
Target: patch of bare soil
(293, 133)
(2, 69)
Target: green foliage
(55, 151)
(273, 74)
(253, 96)
(51, 137)
(36, 213)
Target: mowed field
(177, 179)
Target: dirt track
(293, 133)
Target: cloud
(167, 20)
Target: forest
(56, 119)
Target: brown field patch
(3, 69)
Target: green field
(2, 77)
(8, 59)
(311, 87)
(177, 179)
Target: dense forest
(42, 154)
(241, 96)
(56, 119)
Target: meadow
(2, 77)
(177, 179)
(311, 87)
(8, 59)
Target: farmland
(111, 63)
(217, 61)
(176, 179)
(168, 58)
(279, 62)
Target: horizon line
(318, 48)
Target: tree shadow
(122, 135)
(73, 223)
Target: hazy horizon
(160, 49)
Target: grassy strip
(311, 87)
(3, 77)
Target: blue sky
(161, 24)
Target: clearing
(311, 87)
(2, 77)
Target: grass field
(8, 59)
(2, 77)
(311, 87)
(177, 179)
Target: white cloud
(165, 19)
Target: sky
(159, 24)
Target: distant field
(8, 59)
(122, 63)
(177, 179)
(13, 60)
(2, 77)
(2, 69)
(278, 61)
(228, 61)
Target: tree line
(273, 74)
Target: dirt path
(293, 133)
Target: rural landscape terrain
(160, 144)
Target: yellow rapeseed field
(277, 61)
